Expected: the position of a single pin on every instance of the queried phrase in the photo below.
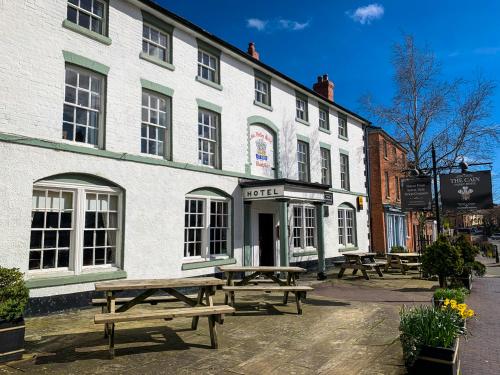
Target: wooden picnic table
(403, 261)
(363, 262)
(270, 282)
(201, 306)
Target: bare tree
(288, 148)
(426, 109)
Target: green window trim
(303, 138)
(45, 282)
(156, 61)
(207, 263)
(303, 122)
(209, 83)
(346, 249)
(325, 145)
(86, 32)
(324, 130)
(259, 104)
(85, 62)
(210, 106)
(344, 152)
(304, 253)
(156, 87)
(167, 29)
(261, 75)
(156, 22)
(342, 137)
(208, 48)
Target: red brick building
(389, 225)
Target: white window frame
(302, 229)
(205, 230)
(262, 91)
(149, 42)
(215, 142)
(343, 228)
(201, 65)
(91, 14)
(306, 163)
(344, 172)
(301, 108)
(158, 126)
(324, 122)
(326, 170)
(76, 241)
(342, 121)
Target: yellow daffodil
(446, 302)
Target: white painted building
(135, 144)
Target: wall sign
(416, 194)
(261, 151)
(264, 192)
(466, 191)
(328, 199)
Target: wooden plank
(158, 283)
(164, 314)
(181, 297)
(152, 300)
(134, 301)
(259, 281)
(268, 288)
(199, 301)
(260, 269)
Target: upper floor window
(208, 139)
(207, 226)
(347, 226)
(385, 149)
(89, 14)
(326, 169)
(303, 160)
(208, 66)
(83, 106)
(387, 185)
(63, 237)
(301, 107)
(304, 226)
(262, 91)
(324, 122)
(155, 43)
(342, 125)
(344, 171)
(155, 123)
(398, 191)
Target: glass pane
(90, 219)
(113, 203)
(71, 75)
(49, 240)
(87, 257)
(36, 239)
(37, 220)
(99, 256)
(110, 256)
(53, 200)
(49, 259)
(96, 85)
(92, 136)
(86, 4)
(96, 102)
(81, 116)
(38, 199)
(70, 95)
(100, 238)
(52, 220)
(71, 14)
(64, 238)
(91, 202)
(88, 238)
(103, 202)
(84, 20)
(101, 220)
(63, 258)
(80, 134)
(66, 200)
(35, 258)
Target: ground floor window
(74, 227)
(396, 230)
(304, 226)
(207, 227)
(347, 226)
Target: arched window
(207, 224)
(76, 224)
(347, 225)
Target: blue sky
(351, 40)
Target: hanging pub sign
(328, 199)
(466, 191)
(416, 194)
(261, 151)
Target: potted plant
(399, 249)
(442, 294)
(443, 259)
(430, 340)
(468, 252)
(13, 299)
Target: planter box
(440, 361)
(11, 340)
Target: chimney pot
(252, 51)
(324, 87)
(325, 77)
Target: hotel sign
(261, 151)
(264, 192)
(466, 191)
(416, 194)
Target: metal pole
(436, 197)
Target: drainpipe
(367, 169)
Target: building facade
(135, 144)
(390, 226)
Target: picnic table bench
(362, 262)
(269, 283)
(201, 306)
(403, 261)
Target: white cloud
(257, 23)
(365, 15)
(292, 25)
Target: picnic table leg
(289, 281)
(111, 327)
(402, 266)
(209, 291)
(341, 273)
(230, 282)
(365, 274)
(298, 296)
(199, 301)
(355, 271)
(377, 268)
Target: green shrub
(443, 259)
(398, 249)
(469, 252)
(425, 325)
(13, 294)
(458, 294)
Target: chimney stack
(252, 51)
(324, 87)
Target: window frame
(326, 111)
(398, 190)
(265, 94)
(104, 18)
(343, 229)
(305, 111)
(205, 230)
(216, 70)
(345, 180)
(167, 128)
(76, 266)
(342, 125)
(102, 103)
(167, 47)
(217, 154)
(307, 162)
(387, 184)
(328, 168)
(302, 229)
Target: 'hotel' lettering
(262, 193)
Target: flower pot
(11, 340)
(434, 360)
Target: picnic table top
(405, 254)
(158, 283)
(260, 269)
(359, 254)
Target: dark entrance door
(266, 240)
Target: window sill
(303, 122)
(156, 61)
(44, 282)
(303, 253)
(207, 263)
(352, 248)
(344, 138)
(86, 32)
(262, 105)
(209, 83)
(327, 131)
